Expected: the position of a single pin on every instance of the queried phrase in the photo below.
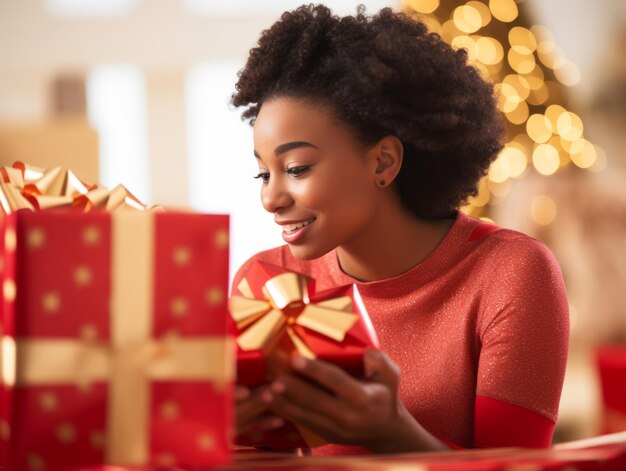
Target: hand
(251, 410)
(345, 410)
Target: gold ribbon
(132, 358)
(285, 306)
(27, 187)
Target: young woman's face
(317, 179)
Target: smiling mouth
(291, 228)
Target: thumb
(378, 367)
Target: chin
(307, 253)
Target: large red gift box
(113, 339)
(278, 314)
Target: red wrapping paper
(258, 366)
(59, 284)
(611, 363)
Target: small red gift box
(278, 314)
(113, 336)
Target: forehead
(290, 118)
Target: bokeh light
(585, 155)
(529, 72)
(546, 159)
(522, 40)
(569, 126)
(503, 10)
(539, 128)
(467, 19)
(543, 210)
(423, 6)
(521, 63)
(519, 115)
(489, 51)
(483, 11)
(513, 161)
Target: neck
(394, 242)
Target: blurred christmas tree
(530, 74)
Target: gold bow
(27, 187)
(286, 306)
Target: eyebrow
(281, 149)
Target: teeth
(295, 227)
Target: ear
(386, 156)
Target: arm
(523, 337)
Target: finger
(379, 367)
(241, 393)
(314, 421)
(330, 376)
(247, 409)
(309, 397)
(263, 423)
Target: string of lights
(530, 73)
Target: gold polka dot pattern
(35, 462)
(66, 433)
(10, 240)
(91, 235)
(48, 402)
(206, 441)
(5, 430)
(97, 439)
(82, 276)
(215, 296)
(166, 460)
(181, 256)
(179, 307)
(169, 410)
(221, 238)
(9, 290)
(35, 238)
(51, 302)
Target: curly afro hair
(385, 75)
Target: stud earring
(381, 183)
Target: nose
(275, 195)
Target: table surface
(603, 453)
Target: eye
(264, 176)
(298, 171)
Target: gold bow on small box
(285, 307)
(278, 314)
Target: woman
(370, 133)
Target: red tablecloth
(604, 453)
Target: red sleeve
(499, 424)
(523, 337)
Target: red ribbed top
(485, 315)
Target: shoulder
(514, 269)
(507, 249)
(523, 280)
(491, 245)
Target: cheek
(316, 193)
(338, 195)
